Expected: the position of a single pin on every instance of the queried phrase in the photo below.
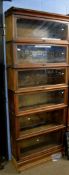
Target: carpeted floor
(61, 167)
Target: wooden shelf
(40, 130)
(50, 108)
(31, 66)
(41, 41)
(41, 108)
(41, 88)
(41, 152)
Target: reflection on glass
(29, 78)
(40, 54)
(39, 29)
(41, 119)
(40, 142)
(31, 100)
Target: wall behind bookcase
(53, 6)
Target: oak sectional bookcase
(37, 71)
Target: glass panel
(39, 120)
(36, 54)
(29, 78)
(40, 29)
(39, 143)
(31, 100)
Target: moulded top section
(14, 10)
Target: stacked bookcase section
(37, 60)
